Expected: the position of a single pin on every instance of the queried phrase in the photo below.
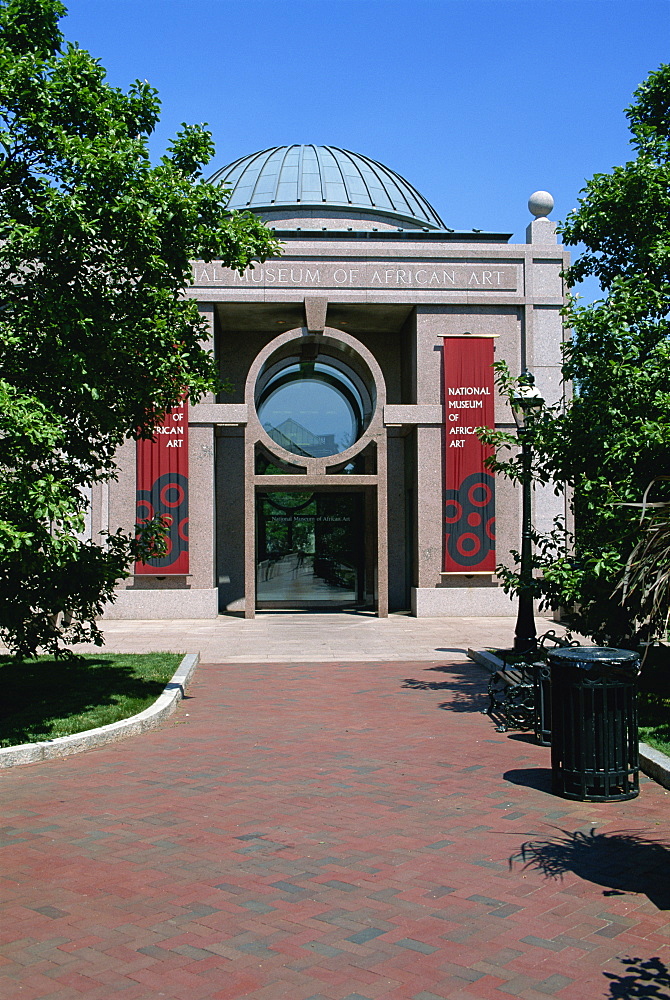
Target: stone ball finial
(540, 204)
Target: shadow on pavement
(647, 980)
(523, 738)
(620, 861)
(531, 777)
(467, 689)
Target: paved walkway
(290, 636)
(331, 831)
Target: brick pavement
(334, 831)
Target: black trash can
(594, 736)
(542, 702)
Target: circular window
(313, 408)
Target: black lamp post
(526, 401)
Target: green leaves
(192, 148)
(649, 116)
(97, 335)
(613, 436)
(622, 216)
(30, 27)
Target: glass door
(310, 550)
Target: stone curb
(485, 658)
(653, 763)
(150, 718)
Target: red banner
(469, 486)
(162, 488)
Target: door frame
(316, 473)
(364, 599)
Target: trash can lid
(588, 657)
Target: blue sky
(476, 102)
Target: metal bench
(519, 691)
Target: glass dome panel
(323, 177)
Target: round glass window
(313, 409)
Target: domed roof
(318, 177)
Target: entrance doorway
(310, 550)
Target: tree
(613, 437)
(96, 337)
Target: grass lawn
(45, 698)
(654, 698)
(654, 708)
(654, 725)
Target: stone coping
(150, 718)
(653, 763)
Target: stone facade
(385, 292)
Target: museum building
(342, 468)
